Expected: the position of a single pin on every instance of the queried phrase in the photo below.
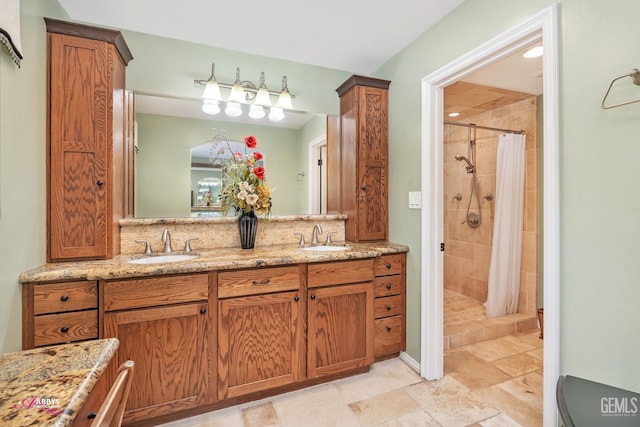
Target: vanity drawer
(388, 285)
(65, 327)
(388, 306)
(258, 281)
(340, 273)
(67, 296)
(155, 291)
(390, 264)
(388, 335)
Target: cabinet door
(340, 330)
(259, 343)
(169, 347)
(80, 103)
(372, 164)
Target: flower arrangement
(243, 182)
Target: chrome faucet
(314, 236)
(166, 239)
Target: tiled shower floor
(465, 322)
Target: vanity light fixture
(245, 92)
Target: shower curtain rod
(473, 125)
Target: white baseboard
(410, 361)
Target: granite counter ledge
(217, 259)
(65, 374)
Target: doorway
(542, 28)
(318, 176)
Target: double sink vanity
(221, 325)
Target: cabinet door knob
(363, 188)
(99, 183)
(91, 415)
(313, 296)
(388, 307)
(64, 298)
(64, 329)
(388, 328)
(297, 298)
(203, 310)
(388, 265)
(388, 285)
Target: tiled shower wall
(468, 251)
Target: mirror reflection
(174, 175)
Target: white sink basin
(325, 248)
(162, 258)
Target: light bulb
(233, 109)
(284, 101)
(212, 90)
(256, 112)
(262, 97)
(276, 114)
(211, 106)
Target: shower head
(470, 167)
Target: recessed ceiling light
(534, 52)
(453, 114)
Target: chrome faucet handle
(147, 249)
(328, 240)
(302, 242)
(166, 239)
(187, 245)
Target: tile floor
(494, 383)
(465, 321)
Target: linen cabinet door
(168, 346)
(340, 329)
(259, 343)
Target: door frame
(542, 26)
(314, 176)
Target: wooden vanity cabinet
(57, 313)
(390, 305)
(260, 314)
(86, 135)
(340, 319)
(166, 325)
(358, 159)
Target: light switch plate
(415, 200)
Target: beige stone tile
(317, 406)
(498, 348)
(500, 420)
(527, 388)
(221, 418)
(521, 412)
(384, 377)
(415, 419)
(450, 403)
(383, 407)
(498, 330)
(472, 371)
(263, 415)
(530, 337)
(518, 364)
(538, 353)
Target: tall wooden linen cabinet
(87, 138)
(357, 159)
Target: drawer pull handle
(64, 329)
(313, 296)
(388, 285)
(261, 282)
(388, 307)
(64, 298)
(91, 415)
(388, 265)
(388, 328)
(203, 310)
(297, 298)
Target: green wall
(600, 313)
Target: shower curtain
(506, 251)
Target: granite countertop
(217, 259)
(47, 386)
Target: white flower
(252, 199)
(244, 185)
(242, 195)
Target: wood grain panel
(67, 296)
(348, 158)
(155, 291)
(390, 264)
(65, 327)
(333, 164)
(259, 343)
(339, 273)
(389, 285)
(258, 281)
(388, 306)
(388, 335)
(340, 334)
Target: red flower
(259, 172)
(250, 141)
(257, 155)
